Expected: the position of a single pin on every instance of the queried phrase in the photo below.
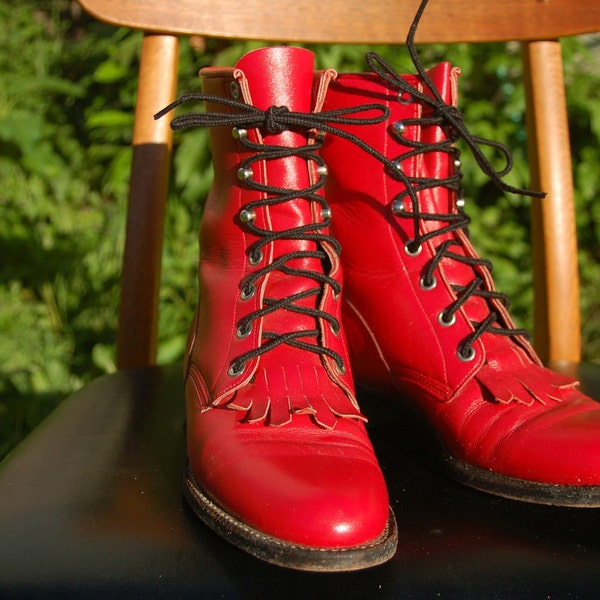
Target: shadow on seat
(91, 506)
(91, 503)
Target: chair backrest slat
(355, 21)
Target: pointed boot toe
(539, 453)
(296, 495)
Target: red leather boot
(423, 320)
(279, 462)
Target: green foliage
(60, 213)
(582, 74)
(67, 91)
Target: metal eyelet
(319, 136)
(397, 164)
(428, 285)
(236, 368)
(243, 331)
(467, 356)
(245, 173)
(247, 292)
(405, 98)
(254, 258)
(340, 367)
(239, 133)
(460, 202)
(398, 207)
(444, 321)
(247, 215)
(410, 252)
(325, 213)
(234, 90)
(457, 163)
(322, 170)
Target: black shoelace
(451, 119)
(274, 120)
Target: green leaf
(110, 118)
(110, 72)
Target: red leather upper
(500, 411)
(282, 445)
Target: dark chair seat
(91, 505)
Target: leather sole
(287, 554)
(577, 496)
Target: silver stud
(245, 173)
(397, 164)
(234, 90)
(247, 215)
(326, 213)
(460, 202)
(444, 321)
(466, 354)
(409, 251)
(428, 285)
(322, 170)
(457, 163)
(399, 127)
(398, 207)
(239, 133)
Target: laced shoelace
(271, 121)
(451, 119)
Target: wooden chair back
(538, 24)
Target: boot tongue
(275, 77)
(439, 165)
(279, 76)
(283, 76)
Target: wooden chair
(91, 504)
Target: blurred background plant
(67, 91)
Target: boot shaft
(402, 229)
(269, 272)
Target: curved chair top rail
(355, 21)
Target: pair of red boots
(308, 164)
